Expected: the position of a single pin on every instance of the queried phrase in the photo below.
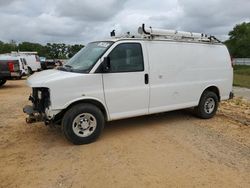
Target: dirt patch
(237, 109)
(172, 149)
(242, 92)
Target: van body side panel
(80, 88)
(32, 62)
(227, 85)
(180, 72)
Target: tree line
(50, 50)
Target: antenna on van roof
(112, 33)
(175, 35)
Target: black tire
(202, 110)
(72, 114)
(30, 72)
(2, 82)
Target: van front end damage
(38, 111)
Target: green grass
(242, 76)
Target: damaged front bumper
(38, 111)
(33, 115)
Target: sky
(83, 21)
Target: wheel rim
(209, 105)
(84, 124)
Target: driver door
(126, 86)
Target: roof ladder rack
(175, 35)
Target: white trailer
(126, 77)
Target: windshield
(86, 58)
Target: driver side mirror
(106, 65)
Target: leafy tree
(31, 47)
(50, 50)
(239, 41)
(56, 51)
(62, 51)
(72, 50)
(7, 47)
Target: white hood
(67, 87)
(41, 79)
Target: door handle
(146, 78)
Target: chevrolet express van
(162, 70)
(32, 60)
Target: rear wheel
(2, 82)
(208, 105)
(83, 123)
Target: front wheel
(208, 105)
(30, 72)
(2, 82)
(83, 123)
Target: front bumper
(32, 115)
(40, 99)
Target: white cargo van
(119, 78)
(32, 60)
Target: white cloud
(81, 21)
(85, 10)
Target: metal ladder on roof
(154, 33)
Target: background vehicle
(9, 69)
(50, 63)
(24, 67)
(32, 60)
(22, 62)
(160, 71)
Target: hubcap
(84, 124)
(209, 105)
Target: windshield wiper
(68, 66)
(61, 68)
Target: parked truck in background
(9, 69)
(22, 62)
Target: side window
(126, 57)
(24, 60)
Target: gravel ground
(173, 149)
(242, 92)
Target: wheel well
(98, 104)
(29, 69)
(215, 90)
